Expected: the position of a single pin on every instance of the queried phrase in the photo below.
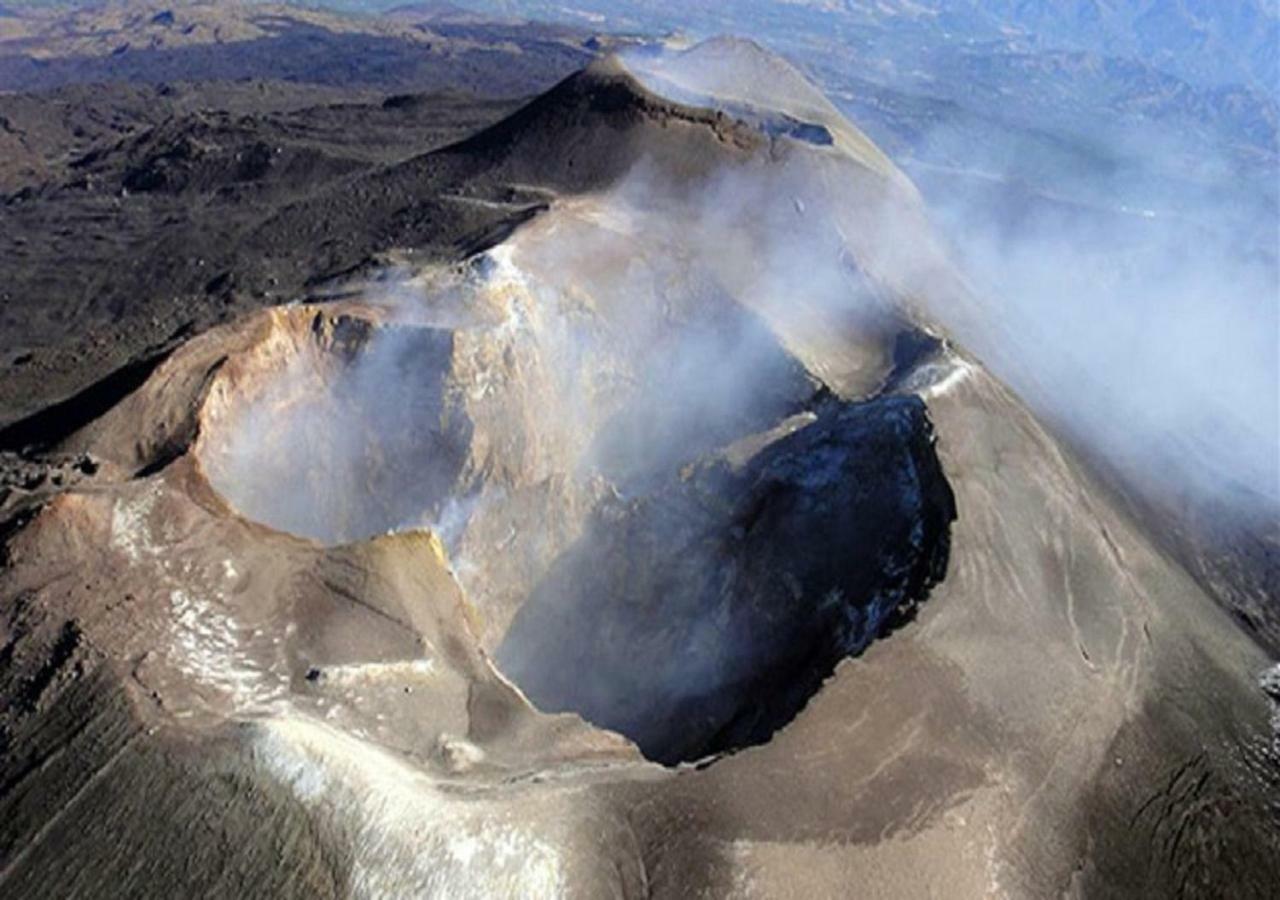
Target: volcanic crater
(681, 563)
(647, 393)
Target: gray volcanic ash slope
(410, 592)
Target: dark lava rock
(703, 617)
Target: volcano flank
(618, 512)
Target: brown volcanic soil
(194, 701)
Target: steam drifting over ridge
(703, 424)
(632, 334)
(1151, 337)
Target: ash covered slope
(704, 341)
(132, 184)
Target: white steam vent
(337, 429)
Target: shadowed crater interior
(719, 572)
(702, 617)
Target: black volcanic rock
(200, 182)
(824, 540)
(1068, 713)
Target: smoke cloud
(543, 393)
(1146, 332)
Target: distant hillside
(1199, 40)
(151, 42)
